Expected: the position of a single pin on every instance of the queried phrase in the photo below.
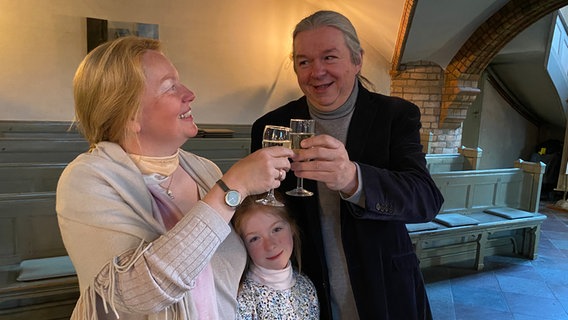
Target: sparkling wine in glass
(301, 129)
(274, 136)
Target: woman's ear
(134, 126)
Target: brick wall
(422, 83)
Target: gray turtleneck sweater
(336, 124)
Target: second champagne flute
(301, 129)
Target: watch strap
(232, 197)
(223, 185)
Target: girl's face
(165, 121)
(268, 239)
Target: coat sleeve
(395, 181)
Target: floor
(508, 288)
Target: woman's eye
(168, 86)
(278, 229)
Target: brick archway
(463, 72)
(444, 96)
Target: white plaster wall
(504, 135)
(232, 54)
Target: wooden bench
(41, 149)
(29, 177)
(224, 151)
(465, 159)
(65, 129)
(465, 230)
(29, 231)
(44, 129)
(21, 175)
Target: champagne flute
(301, 129)
(274, 136)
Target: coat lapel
(360, 125)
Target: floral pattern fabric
(259, 302)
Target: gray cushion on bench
(509, 213)
(415, 227)
(45, 268)
(455, 220)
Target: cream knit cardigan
(128, 265)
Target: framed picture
(100, 31)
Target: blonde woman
(145, 223)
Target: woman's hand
(259, 171)
(324, 158)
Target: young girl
(271, 288)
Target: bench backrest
(465, 159)
(26, 143)
(223, 151)
(46, 129)
(475, 190)
(29, 177)
(444, 162)
(28, 227)
(40, 149)
(65, 129)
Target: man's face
(324, 68)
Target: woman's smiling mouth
(185, 115)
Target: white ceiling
(440, 27)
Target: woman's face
(268, 239)
(165, 121)
(323, 66)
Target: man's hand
(324, 158)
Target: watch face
(233, 198)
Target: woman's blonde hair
(250, 205)
(107, 88)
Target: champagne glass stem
(270, 200)
(300, 183)
(270, 196)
